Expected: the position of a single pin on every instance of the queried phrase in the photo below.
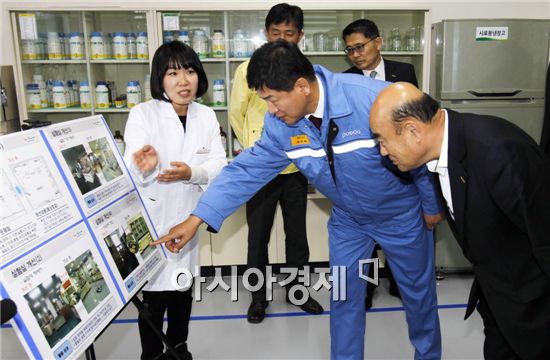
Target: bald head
(392, 100)
(407, 124)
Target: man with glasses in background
(363, 45)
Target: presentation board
(74, 235)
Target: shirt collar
(380, 72)
(440, 165)
(320, 111)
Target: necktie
(316, 121)
(373, 74)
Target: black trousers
(290, 190)
(495, 347)
(177, 305)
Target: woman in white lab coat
(173, 150)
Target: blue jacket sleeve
(425, 183)
(241, 179)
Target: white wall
(443, 9)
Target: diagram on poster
(34, 200)
(75, 237)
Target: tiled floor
(219, 329)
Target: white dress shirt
(320, 110)
(380, 71)
(439, 166)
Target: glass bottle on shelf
(147, 88)
(102, 95)
(39, 79)
(131, 45)
(218, 93)
(410, 43)
(84, 95)
(133, 96)
(97, 43)
(33, 96)
(385, 41)
(184, 38)
(200, 43)
(240, 45)
(218, 44)
(120, 46)
(167, 36)
(395, 39)
(76, 46)
(54, 46)
(30, 50)
(59, 95)
(142, 46)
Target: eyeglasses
(359, 48)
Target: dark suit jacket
(500, 186)
(395, 71)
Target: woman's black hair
(175, 55)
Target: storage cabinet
(243, 32)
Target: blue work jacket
(359, 183)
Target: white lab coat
(156, 123)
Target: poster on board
(74, 237)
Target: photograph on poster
(138, 236)
(106, 161)
(125, 260)
(88, 282)
(92, 164)
(50, 305)
(35, 182)
(84, 172)
(128, 240)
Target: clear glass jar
(200, 43)
(320, 42)
(240, 44)
(395, 39)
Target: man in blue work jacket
(320, 121)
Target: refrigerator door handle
(494, 94)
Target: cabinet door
(43, 56)
(119, 48)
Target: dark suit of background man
(496, 182)
(363, 44)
